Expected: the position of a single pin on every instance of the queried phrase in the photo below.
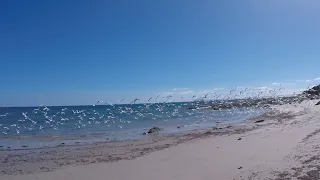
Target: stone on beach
(154, 130)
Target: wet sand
(284, 146)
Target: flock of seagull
(45, 119)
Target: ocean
(34, 127)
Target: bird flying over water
(134, 101)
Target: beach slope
(282, 146)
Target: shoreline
(251, 150)
(9, 143)
(110, 151)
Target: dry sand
(285, 146)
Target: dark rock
(259, 121)
(229, 126)
(62, 143)
(240, 167)
(318, 103)
(154, 130)
(144, 133)
(208, 133)
(178, 127)
(239, 139)
(24, 146)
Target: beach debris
(144, 133)
(229, 126)
(259, 121)
(239, 139)
(179, 127)
(240, 167)
(24, 146)
(318, 103)
(154, 130)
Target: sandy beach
(283, 146)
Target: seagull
(232, 90)
(25, 114)
(4, 115)
(135, 100)
(98, 102)
(45, 108)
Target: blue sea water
(42, 126)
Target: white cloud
(262, 88)
(308, 80)
(317, 79)
(275, 84)
(185, 92)
(180, 89)
(218, 89)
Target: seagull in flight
(135, 100)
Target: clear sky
(77, 52)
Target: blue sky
(62, 52)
